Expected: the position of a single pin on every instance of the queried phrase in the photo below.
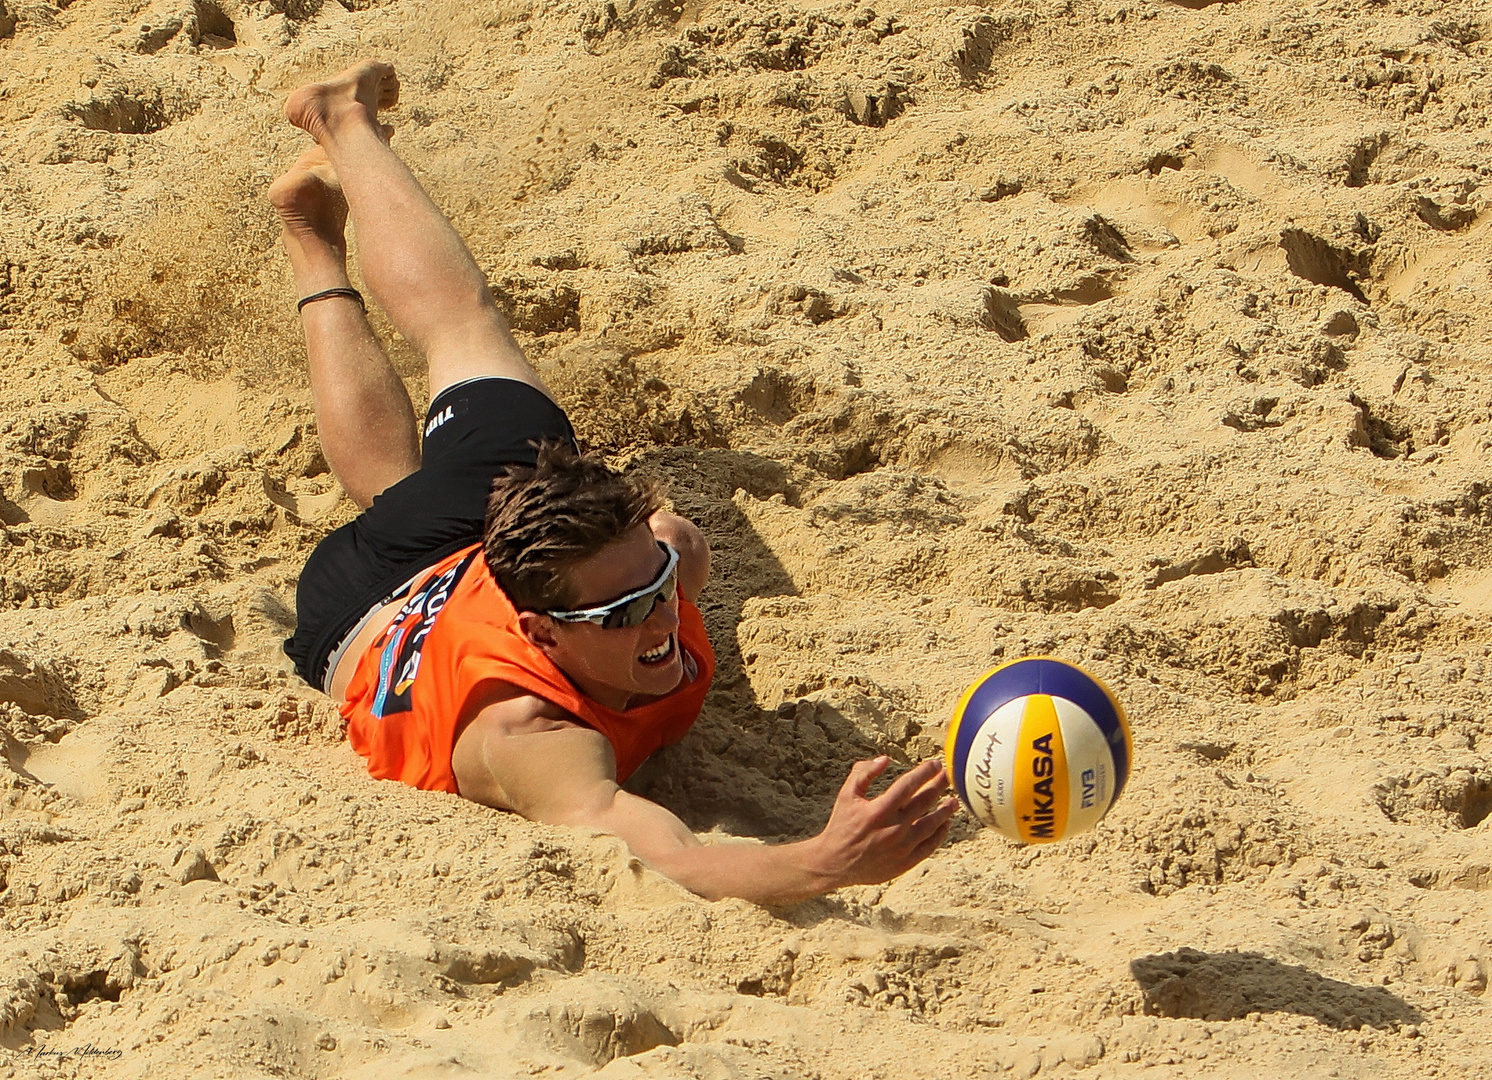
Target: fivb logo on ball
(1038, 749)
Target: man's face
(615, 666)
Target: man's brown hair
(545, 518)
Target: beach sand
(1154, 336)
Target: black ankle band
(325, 294)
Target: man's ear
(539, 629)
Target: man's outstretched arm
(566, 776)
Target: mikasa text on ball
(1038, 749)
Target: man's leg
(363, 413)
(416, 266)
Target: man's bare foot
(309, 200)
(357, 93)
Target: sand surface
(1150, 335)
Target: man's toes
(286, 190)
(297, 106)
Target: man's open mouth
(658, 655)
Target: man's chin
(664, 679)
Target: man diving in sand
(508, 619)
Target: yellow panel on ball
(1038, 749)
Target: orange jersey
(454, 640)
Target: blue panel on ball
(1039, 675)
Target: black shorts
(471, 429)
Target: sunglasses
(634, 608)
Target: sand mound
(1151, 335)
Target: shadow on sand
(745, 768)
(1192, 984)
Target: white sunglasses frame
(597, 615)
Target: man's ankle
(340, 119)
(316, 276)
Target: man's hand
(868, 841)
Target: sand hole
(37, 688)
(54, 482)
(876, 106)
(203, 23)
(1253, 415)
(979, 38)
(1002, 188)
(776, 396)
(1476, 806)
(1474, 877)
(1003, 315)
(806, 302)
(774, 160)
(1233, 555)
(214, 27)
(1208, 749)
(537, 307)
(121, 114)
(848, 459)
(1106, 238)
(1050, 309)
(486, 965)
(79, 988)
(1089, 289)
(608, 1027)
(1444, 217)
(217, 633)
(1341, 324)
(1459, 800)
(1314, 259)
(1385, 437)
(1361, 157)
(1160, 162)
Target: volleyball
(1038, 749)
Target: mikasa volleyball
(1038, 749)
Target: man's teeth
(659, 653)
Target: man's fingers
(929, 831)
(863, 774)
(932, 843)
(925, 797)
(923, 837)
(931, 821)
(907, 784)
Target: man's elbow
(593, 809)
(694, 550)
(682, 868)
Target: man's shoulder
(512, 710)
